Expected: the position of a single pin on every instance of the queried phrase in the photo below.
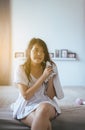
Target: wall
(60, 23)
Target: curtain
(5, 42)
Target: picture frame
(56, 53)
(64, 53)
(71, 55)
(19, 54)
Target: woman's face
(37, 54)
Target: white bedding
(8, 95)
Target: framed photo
(51, 55)
(72, 55)
(64, 53)
(56, 53)
(19, 54)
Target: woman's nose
(39, 53)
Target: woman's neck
(36, 65)
(36, 70)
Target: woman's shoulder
(20, 69)
(20, 75)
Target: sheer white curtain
(5, 42)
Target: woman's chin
(38, 61)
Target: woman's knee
(46, 110)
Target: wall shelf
(54, 59)
(64, 59)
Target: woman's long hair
(27, 64)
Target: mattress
(70, 119)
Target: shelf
(54, 59)
(64, 59)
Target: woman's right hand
(48, 70)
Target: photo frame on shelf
(19, 54)
(64, 53)
(71, 55)
(56, 53)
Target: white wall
(61, 23)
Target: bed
(71, 118)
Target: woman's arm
(27, 91)
(50, 89)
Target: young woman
(35, 105)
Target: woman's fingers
(49, 70)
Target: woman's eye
(36, 50)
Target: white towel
(56, 81)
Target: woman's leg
(40, 118)
(43, 114)
(29, 119)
